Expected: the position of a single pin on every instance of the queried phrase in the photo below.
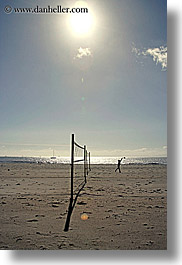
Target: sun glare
(82, 23)
(84, 216)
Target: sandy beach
(126, 211)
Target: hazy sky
(109, 86)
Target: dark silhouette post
(85, 163)
(72, 166)
(89, 161)
(70, 208)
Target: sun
(82, 24)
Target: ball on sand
(84, 216)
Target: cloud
(159, 54)
(140, 152)
(83, 52)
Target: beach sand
(126, 211)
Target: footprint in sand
(18, 239)
(149, 243)
(81, 203)
(55, 205)
(39, 215)
(32, 220)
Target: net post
(72, 166)
(89, 161)
(85, 173)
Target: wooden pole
(89, 161)
(72, 165)
(70, 208)
(85, 173)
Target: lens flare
(84, 216)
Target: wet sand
(126, 211)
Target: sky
(108, 86)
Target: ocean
(94, 160)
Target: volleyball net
(80, 167)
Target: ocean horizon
(94, 160)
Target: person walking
(119, 164)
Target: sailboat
(53, 157)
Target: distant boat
(53, 157)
